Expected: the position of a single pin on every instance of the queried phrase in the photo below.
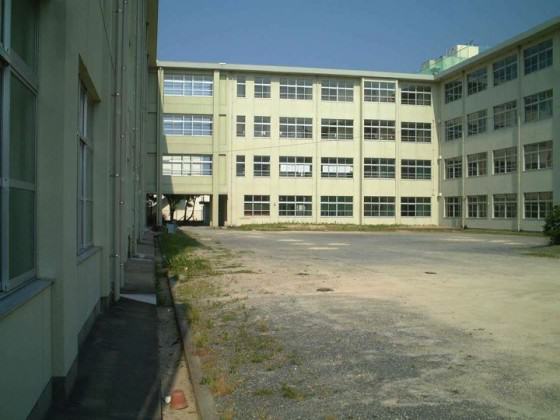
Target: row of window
(340, 90)
(536, 156)
(535, 58)
(537, 205)
(336, 167)
(336, 206)
(537, 107)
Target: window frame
(454, 129)
(198, 125)
(296, 89)
(380, 130)
(382, 91)
(419, 95)
(506, 68)
(241, 87)
(509, 203)
(474, 164)
(379, 168)
(261, 168)
(262, 87)
(543, 147)
(259, 205)
(295, 127)
(453, 168)
(187, 163)
(453, 207)
(538, 57)
(539, 102)
(336, 206)
(185, 80)
(302, 166)
(509, 157)
(416, 169)
(411, 206)
(337, 163)
(263, 122)
(379, 206)
(453, 91)
(505, 115)
(240, 126)
(477, 122)
(540, 202)
(337, 90)
(477, 205)
(240, 166)
(288, 206)
(421, 132)
(477, 81)
(337, 129)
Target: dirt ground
(411, 325)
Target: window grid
(477, 81)
(476, 122)
(240, 165)
(453, 168)
(256, 205)
(261, 126)
(416, 169)
(505, 160)
(505, 115)
(295, 205)
(261, 165)
(379, 206)
(538, 106)
(377, 91)
(332, 129)
(416, 206)
(262, 87)
(538, 56)
(240, 126)
(538, 205)
(186, 165)
(477, 164)
(85, 172)
(336, 206)
(505, 70)
(296, 128)
(477, 206)
(538, 155)
(416, 95)
(337, 167)
(295, 166)
(187, 125)
(337, 90)
(416, 132)
(296, 89)
(182, 84)
(379, 130)
(379, 168)
(453, 207)
(241, 87)
(505, 206)
(453, 91)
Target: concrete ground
(417, 325)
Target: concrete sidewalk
(118, 369)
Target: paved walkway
(118, 371)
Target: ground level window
(377, 206)
(416, 206)
(336, 206)
(294, 205)
(452, 207)
(256, 205)
(477, 206)
(505, 206)
(538, 205)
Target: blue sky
(389, 35)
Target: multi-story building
(472, 145)
(73, 87)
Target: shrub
(552, 225)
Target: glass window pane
(22, 231)
(22, 133)
(24, 30)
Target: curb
(204, 399)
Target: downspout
(464, 168)
(519, 159)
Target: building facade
(276, 144)
(73, 87)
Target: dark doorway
(222, 210)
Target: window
(17, 146)
(379, 91)
(538, 57)
(505, 160)
(294, 205)
(477, 81)
(186, 165)
(416, 169)
(477, 206)
(538, 155)
(416, 132)
(256, 205)
(262, 87)
(240, 126)
(261, 165)
(453, 91)
(240, 165)
(379, 168)
(453, 168)
(452, 207)
(337, 90)
(296, 89)
(416, 206)
(416, 95)
(379, 206)
(296, 128)
(261, 126)
(505, 206)
(182, 84)
(477, 164)
(187, 125)
(379, 130)
(336, 206)
(538, 106)
(241, 86)
(453, 129)
(505, 70)
(337, 129)
(476, 122)
(538, 205)
(337, 167)
(505, 115)
(296, 166)
(85, 172)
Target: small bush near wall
(552, 225)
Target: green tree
(552, 225)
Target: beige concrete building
(307, 145)
(73, 88)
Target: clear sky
(391, 35)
